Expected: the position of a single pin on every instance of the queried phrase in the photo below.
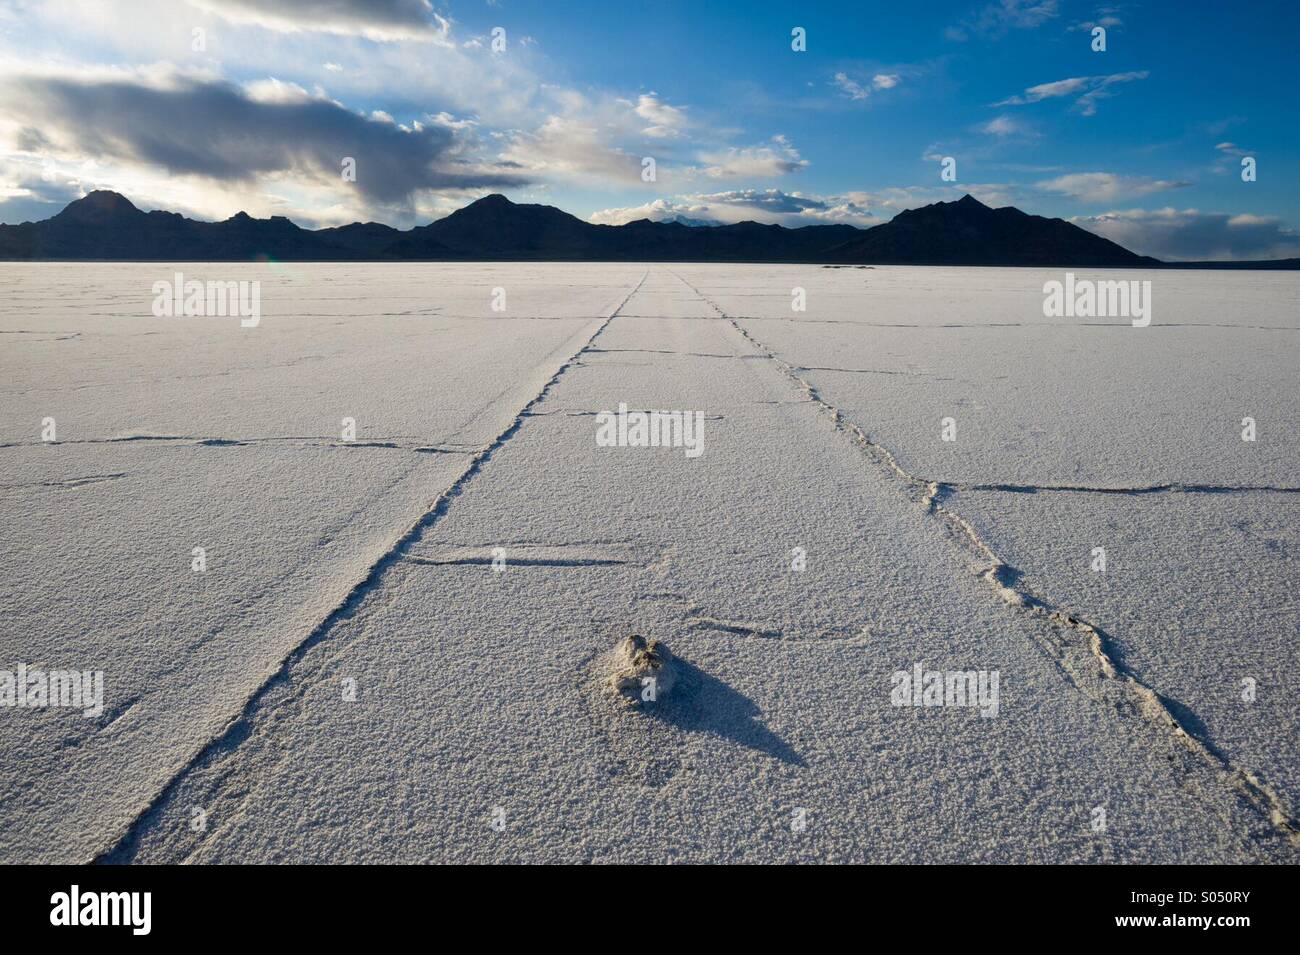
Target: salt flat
(337, 565)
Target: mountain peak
(493, 201)
(967, 232)
(105, 197)
(99, 205)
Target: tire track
(1090, 642)
(241, 726)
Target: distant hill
(105, 226)
(967, 232)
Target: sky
(210, 107)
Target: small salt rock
(637, 661)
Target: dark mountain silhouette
(967, 232)
(496, 228)
(106, 226)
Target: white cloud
(170, 123)
(850, 87)
(1002, 126)
(1106, 17)
(1107, 186)
(569, 148)
(681, 209)
(771, 206)
(794, 209)
(1191, 235)
(509, 118)
(271, 90)
(381, 20)
(1228, 158)
(666, 122)
(754, 162)
(1108, 23)
(856, 90)
(1089, 90)
(30, 192)
(897, 199)
(997, 19)
(408, 77)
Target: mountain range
(106, 226)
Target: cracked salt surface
(474, 686)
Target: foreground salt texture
(479, 730)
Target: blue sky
(213, 106)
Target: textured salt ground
(1201, 587)
(1111, 406)
(414, 359)
(363, 788)
(97, 576)
(907, 296)
(182, 433)
(1199, 593)
(476, 689)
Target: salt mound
(642, 671)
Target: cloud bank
(197, 126)
(382, 20)
(1188, 234)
